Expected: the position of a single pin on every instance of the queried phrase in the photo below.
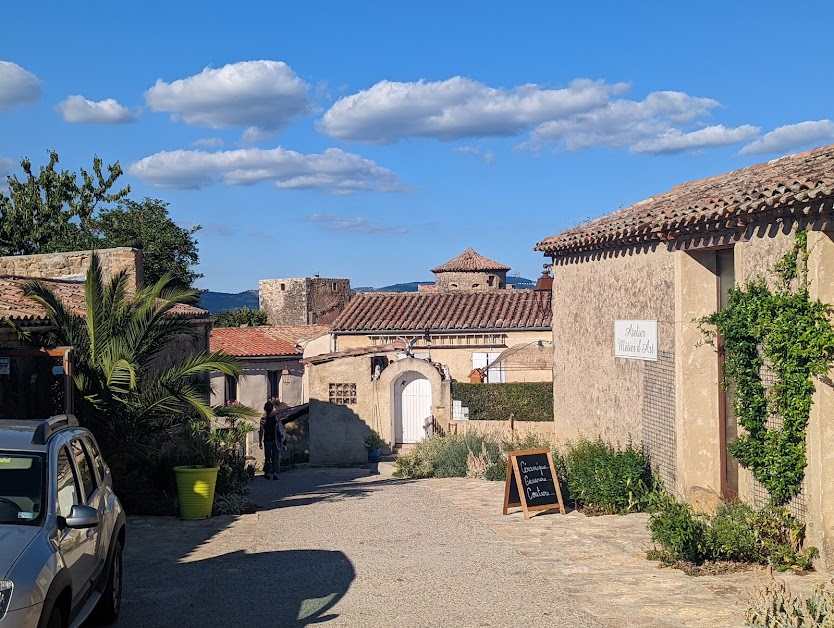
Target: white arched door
(412, 408)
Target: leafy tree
(52, 211)
(166, 247)
(240, 317)
(124, 396)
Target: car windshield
(21, 488)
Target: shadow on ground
(304, 487)
(285, 588)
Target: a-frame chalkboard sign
(532, 482)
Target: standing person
(280, 443)
(266, 436)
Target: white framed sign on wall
(635, 340)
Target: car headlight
(6, 588)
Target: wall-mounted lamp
(285, 377)
(544, 290)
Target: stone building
(465, 323)
(74, 264)
(470, 271)
(351, 394)
(303, 301)
(21, 313)
(630, 362)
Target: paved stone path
(342, 548)
(600, 563)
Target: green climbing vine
(790, 333)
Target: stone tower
(303, 301)
(470, 271)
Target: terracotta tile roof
(468, 261)
(298, 333)
(441, 311)
(391, 347)
(802, 183)
(254, 342)
(16, 307)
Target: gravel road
(336, 547)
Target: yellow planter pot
(195, 487)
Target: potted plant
(374, 443)
(204, 448)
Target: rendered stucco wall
(337, 432)
(590, 385)
(253, 385)
(459, 359)
(596, 394)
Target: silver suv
(62, 529)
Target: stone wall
(303, 301)
(480, 280)
(74, 264)
(501, 429)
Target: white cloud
(263, 96)
(675, 141)
(456, 108)
(79, 109)
(208, 142)
(792, 136)
(582, 115)
(664, 122)
(488, 157)
(333, 170)
(360, 225)
(624, 123)
(17, 86)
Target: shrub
(774, 606)
(528, 401)
(445, 456)
(609, 480)
(678, 530)
(735, 532)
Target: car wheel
(107, 609)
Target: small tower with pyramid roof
(470, 271)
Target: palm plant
(129, 391)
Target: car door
(93, 497)
(75, 546)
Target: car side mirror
(82, 517)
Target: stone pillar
(696, 381)
(819, 436)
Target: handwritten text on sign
(533, 485)
(635, 340)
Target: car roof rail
(52, 425)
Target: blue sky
(376, 140)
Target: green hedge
(530, 401)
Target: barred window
(343, 394)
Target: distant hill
(218, 301)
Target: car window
(21, 488)
(96, 454)
(68, 492)
(85, 468)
